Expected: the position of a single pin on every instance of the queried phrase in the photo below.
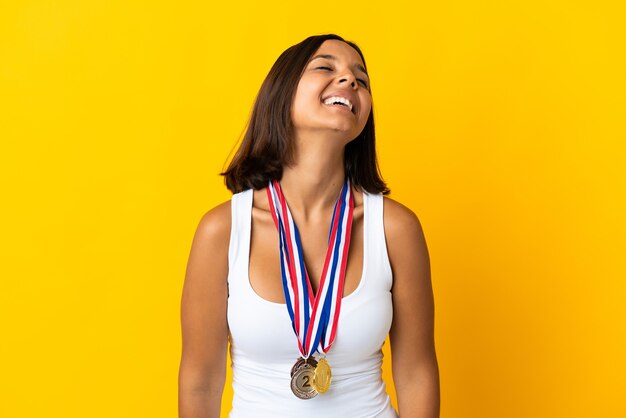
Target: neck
(313, 183)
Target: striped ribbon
(314, 318)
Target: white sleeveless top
(264, 345)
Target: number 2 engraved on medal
(306, 381)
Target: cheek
(365, 111)
(309, 94)
(305, 93)
(302, 109)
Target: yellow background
(501, 124)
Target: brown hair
(267, 145)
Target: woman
(308, 267)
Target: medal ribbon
(314, 319)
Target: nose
(350, 78)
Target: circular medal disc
(322, 376)
(302, 382)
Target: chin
(342, 125)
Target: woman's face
(334, 70)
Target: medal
(302, 376)
(314, 319)
(302, 382)
(322, 376)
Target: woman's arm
(203, 318)
(414, 361)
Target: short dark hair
(268, 146)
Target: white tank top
(264, 345)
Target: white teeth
(334, 99)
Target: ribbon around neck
(314, 318)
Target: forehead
(339, 49)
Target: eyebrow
(332, 57)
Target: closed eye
(358, 79)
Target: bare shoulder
(405, 239)
(207, 266)
(400, 221)
(208, 254)
(215, 223)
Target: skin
(311, 187)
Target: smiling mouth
(341, 105)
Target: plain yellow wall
(501, 124)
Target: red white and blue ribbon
(314, 318)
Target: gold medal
(322, 376)
(302, 381)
